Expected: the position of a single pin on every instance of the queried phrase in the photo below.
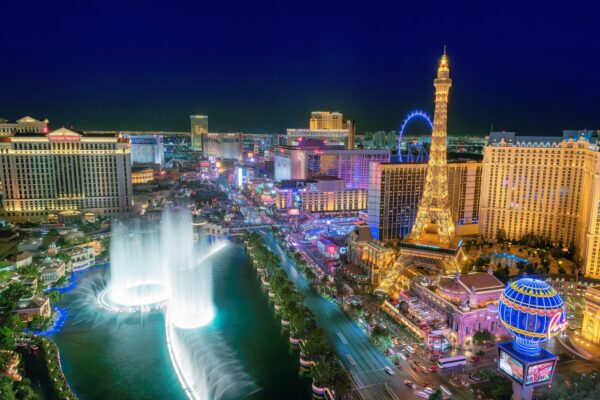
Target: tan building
(64, 172)
(142, 175)
(30, 307)
(326, 120)
(590, 329)
(546, 186)
(372, 256)
(395, 190)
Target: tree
(437, 395)
(500, 235)
(501, 388)
(6, 390)
(7, 338)
(481, 337)
(403, 307)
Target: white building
(25, 124)
(64, 173)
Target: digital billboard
(511, 366)
(539, 373)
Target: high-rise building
(222, 145)
(199, 124)
(395, 190)
(147, 149)
(314, 159)
(546, 186)
(64, 173)
(326, 126)
(326, 120)
(23, 125)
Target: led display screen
(511, 366)
(539, 373)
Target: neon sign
(63, 138)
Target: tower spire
(433, 223)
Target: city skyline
(264, 67)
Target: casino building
(549, 186)
(64, 173)
(469, 301)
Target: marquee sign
(63, 138)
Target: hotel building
(546, 186)
(590, 328)
(320, 195)
(147, 149)
(199, 128)
(327, 126)
(24, 125)
(64, 173)
(395, 190)
(222, 145)
(313, 159)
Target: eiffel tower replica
(432, 247)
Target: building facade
(222, 145)
(590, 329)
(308, 162)
(546, 186)
(469, 302)
(147, 149)
(24, 125)
(64, 173)
(325, 195)
(199, 128)
(395, 190)
(327, 126)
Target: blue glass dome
(533, 312)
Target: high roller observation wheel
(419, 114)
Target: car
(475, 358)
(433, 368)
(570, 316)
(424, 369)
(428, 390)
(389, 371)
(410, 384)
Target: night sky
(262, 67)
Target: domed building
(469, 301)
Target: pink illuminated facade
(469, 302)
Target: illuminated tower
(433, 223)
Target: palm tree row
(326, 368)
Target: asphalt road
(362, 359)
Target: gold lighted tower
(433, 223)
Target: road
(362, 359)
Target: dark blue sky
(263, 66)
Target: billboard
(511, 366)
(539, 373)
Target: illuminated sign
(511, 366)
(204, 163)
(293, 211)
(539, 373)
(69, 138)
(556, 324)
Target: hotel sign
(64, 138)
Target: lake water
(126, 358)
